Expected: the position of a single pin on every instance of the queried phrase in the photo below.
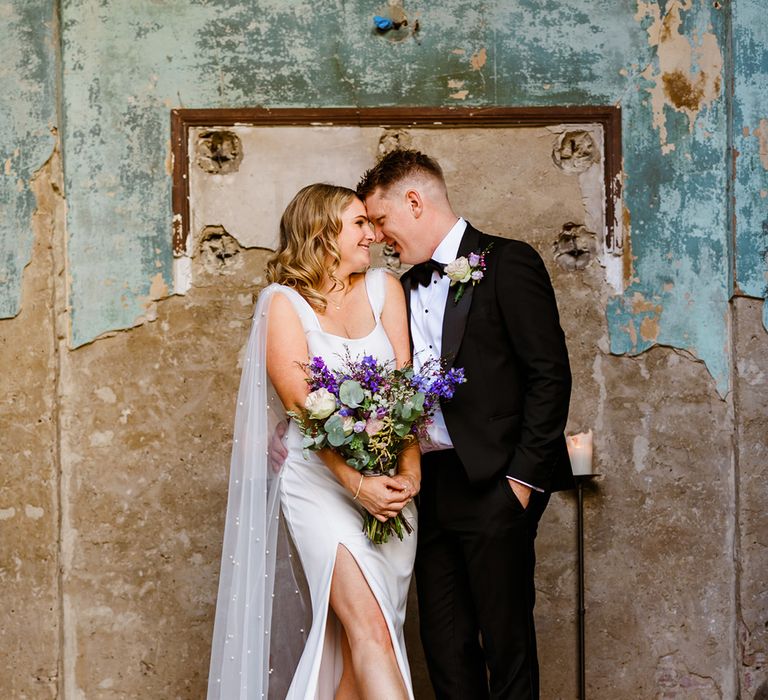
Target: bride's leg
(373, 657)
(347, 685)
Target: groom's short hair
(396, 166)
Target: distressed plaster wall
(483, 176)
(29, 458)
(663, 64)
(751, 408)
(675, 153)
(122, 443)
(140, 568)
(28, 108)
(750, 134)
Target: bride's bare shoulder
(282, 303)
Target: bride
(299, 528)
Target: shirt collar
(449, 247)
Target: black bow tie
(422, 273)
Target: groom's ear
(414, 202)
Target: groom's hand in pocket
(521, 491)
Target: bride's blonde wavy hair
(308, 230)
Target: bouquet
(369, 413)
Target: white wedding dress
(275, 635)
(321, 516)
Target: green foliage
(334, 426)
(401, 429)
(359, 460)
(351, 393)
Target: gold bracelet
(357, 493)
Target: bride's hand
(410, 483)
(383, 496)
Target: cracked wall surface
(751, 397)
(663, 63)
(148, 418)
(324, 56)
(675, 156)
(29, 459)
(113, 476)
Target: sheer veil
(261, 577)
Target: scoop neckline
(370, 306)
(344, 337)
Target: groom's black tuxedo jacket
(509, 417)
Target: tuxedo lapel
(455, 315)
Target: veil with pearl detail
(261, 579)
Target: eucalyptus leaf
(402, 429)
(351, 393)
(363, 458)
(334, 426)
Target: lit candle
(580, 452)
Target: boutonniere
(467, 269)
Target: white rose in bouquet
(320, 404)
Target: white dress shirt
(427, 312)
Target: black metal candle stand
(581, 479)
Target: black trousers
(474, 578)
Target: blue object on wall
(383, 24)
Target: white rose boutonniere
(464, 270)
(459, 271)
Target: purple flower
(369, 373)
(359, 426)
(477, 275)
(474, 259)
(320, 377)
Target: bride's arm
(394, 317)
(286, 350)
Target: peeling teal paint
(125, 67)
(679, 232)
(28, 109)
(750, 120)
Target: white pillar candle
(580, 452)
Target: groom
(497, 450)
